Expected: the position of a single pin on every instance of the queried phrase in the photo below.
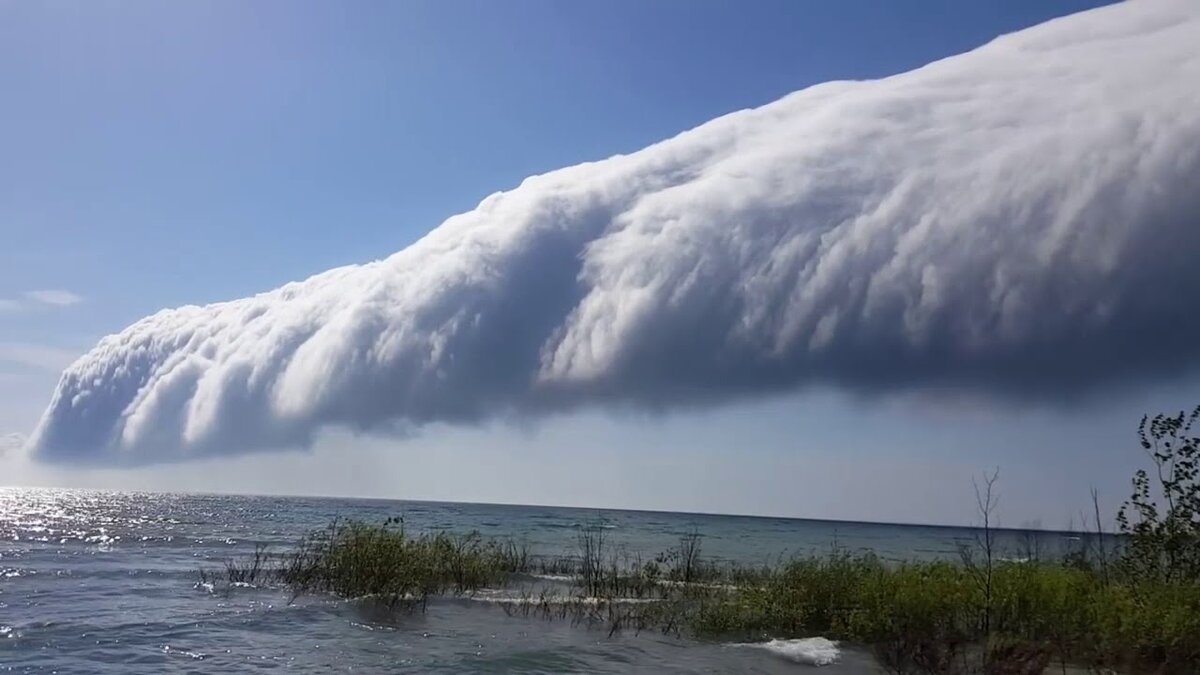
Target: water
(105, 582)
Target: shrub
(1162, 516)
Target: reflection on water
(95, 581)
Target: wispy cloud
(37, 356)
(57, 297)
(1018, 221)
(28, 299)
(11, 442)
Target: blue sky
(163, 154)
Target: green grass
(930, 617)
(1135, 607)
(355, 560)
(927, 617)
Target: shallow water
(106, 582)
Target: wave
(813, 651)
(506, 598)
(552, 577)
(176, 651)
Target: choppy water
(105, 582)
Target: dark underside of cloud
(1020, 221)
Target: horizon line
(845, 521)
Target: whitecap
(503, 598)
(553, 577)
(813, 651)
(199, 656)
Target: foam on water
(199, 656)
(553, 577)
(503, 597)
(812, 651)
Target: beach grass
(1131, 604)
(929, 617)
(916, 617)
(356, 560)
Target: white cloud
(54, 297)
(1020, 220)
(37, 356)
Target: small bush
(1162, 516)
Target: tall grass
(1134, 606)
(354, 559)
(922, 617)
(934, 617)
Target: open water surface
(106, 582)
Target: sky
(165, 154)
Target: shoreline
(979, 613)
